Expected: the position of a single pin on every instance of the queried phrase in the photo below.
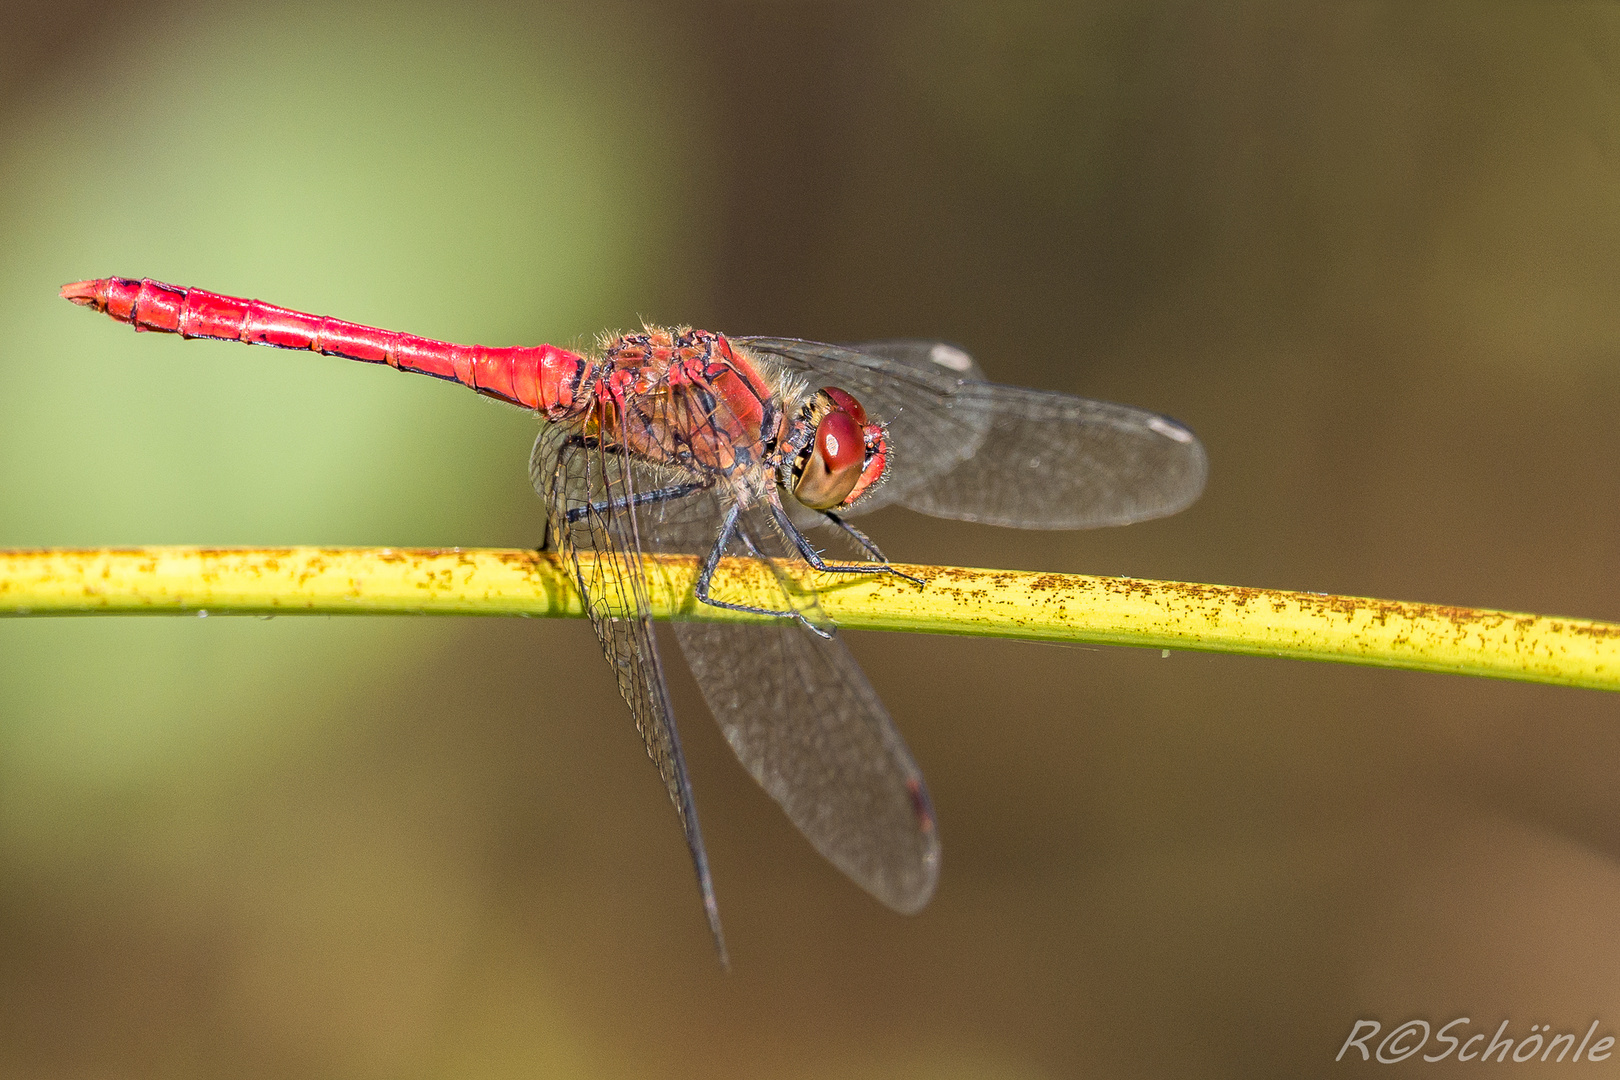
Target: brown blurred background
(1368, 251)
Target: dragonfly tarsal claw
(812, 627)
(913, 578)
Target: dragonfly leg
(678, 491)
(728, 529)
(865, 542)
(813, 557)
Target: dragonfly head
(844, 457)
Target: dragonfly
(683, 441)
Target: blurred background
(1367, 251)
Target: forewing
(801, 717)
(1003, 455)
(938, 357)
(1056, 461)
(578, 477)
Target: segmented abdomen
(554, 381)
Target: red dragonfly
(685, 441)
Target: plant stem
(989, 603)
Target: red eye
(843, 399)
(832, 469)
(839, 443)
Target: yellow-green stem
(953, 600)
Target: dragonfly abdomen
(550, 380)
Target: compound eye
(834, 463)
(845, 400)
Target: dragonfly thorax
(685, 398)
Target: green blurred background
(1368, 251)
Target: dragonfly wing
(938, 357)
(1057, 461)
(1004, 455)
(578, 478)
(801, 717)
